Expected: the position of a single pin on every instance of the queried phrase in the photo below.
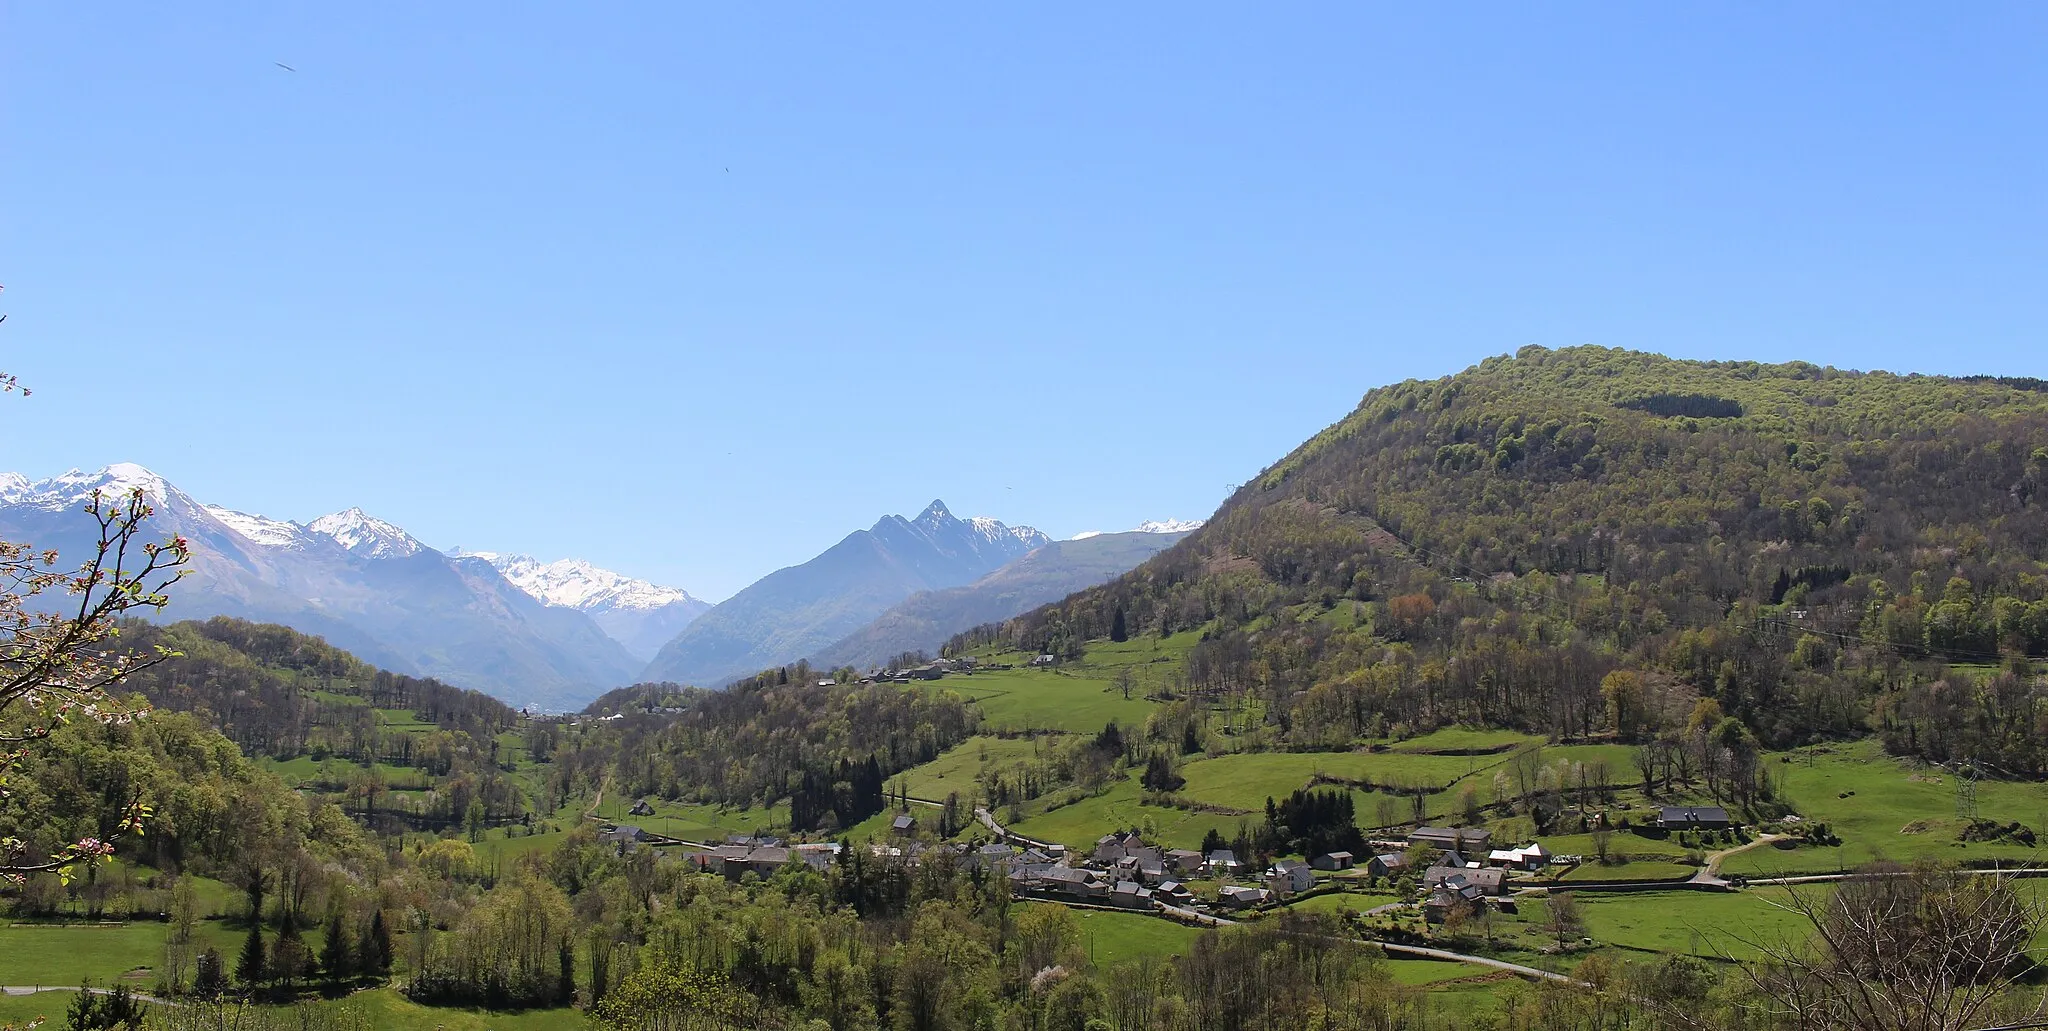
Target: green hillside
(1808, 548)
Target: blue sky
(693, 292)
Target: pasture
(1119, 937)
(958, 769)
(1887, 808)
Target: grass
(1066, 699)
(1693, 923)
(384, 1008)
(1245, 780)
(33, 954)
(691, 821)
(1638, 870)
(958, 769)
(1886, 808)
(1118, 937)
(1465, 739)
(1339, 903)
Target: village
(1445, 873)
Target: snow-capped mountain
(369, 537)
(1150, 526)
(362, 583)
(638, 614)
(794, 612)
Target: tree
(1117, 632)
(377, 946)
(210, 978)
(59, 656)
(1624, 693)
(337, 951)
(289, 958)
(94, 1009)
(251, 969)
(1561, 916)
(1921, 949)
(1160, 774)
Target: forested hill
(1806, 546)
(275, 691)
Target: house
(1174, 893)
(1693, 818)
(1130, 895)
(1115, 846)
(828, 682)
(1443, 901)
(1223, 861)
(1043, 660)
(1386, 864)
(1237, 896)
(767, 859)
(1527, 857)
(903, 823)
(1077, 883)
(1489, 882)
(1333, 861)
(818, 855)
(642, 808)
(995, 856)
(1290, 876)
(1183, 860)
(623, 834)
(1451, 838)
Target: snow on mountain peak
(365, 535)
(74, 488)
(1149, 526)
(271, 533)
(577, 584)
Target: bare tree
(1920, 949)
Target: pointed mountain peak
(934, 514)
(366, 535)
(75, 487)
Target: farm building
(1692, 818)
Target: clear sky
(692, 291)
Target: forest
(1822, 553)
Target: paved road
(19, 989)
(1459, 957)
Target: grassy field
(1083, 822)
(1069, 699)
(959, 768)
(32, 954)
(1245, 780)
(1697, 923)
(1117, 937)
(1886, 808)
(1638, 870)
(1464, 739)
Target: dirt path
(1711, 872)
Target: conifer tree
(211, 979)
(337, 952)
(377, 947)
(251, 968)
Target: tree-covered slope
(1806, 546)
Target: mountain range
(553, 635)
(641, 616)
(923, 621)
(360, 582)
(796, 611)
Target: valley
(1518, 691)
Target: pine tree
(211, 979)
(377, 947)
(289, 959)
(1117, 632)
(337, 952)
(251, 968)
